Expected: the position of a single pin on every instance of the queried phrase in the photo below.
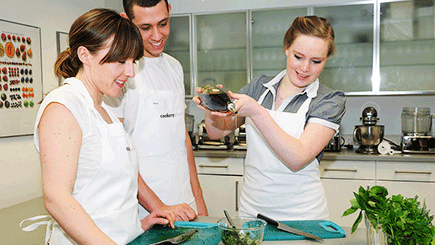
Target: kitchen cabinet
(382, 47)
(350, 69)
(221, 181)
(341, 174)
(268, 28)
(340, 179)
(178, 45)
(407, 38)
(221, 49)
(409, 179)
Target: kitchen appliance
(190, 122)
(417, 135)
(369, 135)
(205, 143)
(335, 144)
(240, 138)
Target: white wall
(20, 174)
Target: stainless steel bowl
(368, 135)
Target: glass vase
(375, 235)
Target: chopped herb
(240, 238)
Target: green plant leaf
(356, 223)
(354, 203)
(349, 211)
(379, 191)
(397, 216)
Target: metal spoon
(230, 221)
(234, 233)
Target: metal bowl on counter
(246, 231)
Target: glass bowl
(247, 231)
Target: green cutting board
(208, 234)
(324, 229)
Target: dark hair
(92, 30)
(311, 26)
(128, 5)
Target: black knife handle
(267, 219)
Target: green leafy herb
(230, 237)
(402, 219)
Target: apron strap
(32, 227)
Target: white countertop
(344, 154)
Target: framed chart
(62, 44)
(21, 77)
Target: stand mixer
(417, 135)
(369, 135)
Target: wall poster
(20, 77)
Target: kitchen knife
(178, 239)
(287, 228)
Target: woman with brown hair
(289, 120)
(89, 164)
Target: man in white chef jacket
(152, 109)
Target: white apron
(272, 188)
(159, 136)
(110, 197)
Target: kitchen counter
(348, 155)
(10, 232)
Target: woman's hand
(168, 214)
(198, 100)
(158, 217)
(218, 124)
(246, 106)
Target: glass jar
(375, 235)
(416, 121)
